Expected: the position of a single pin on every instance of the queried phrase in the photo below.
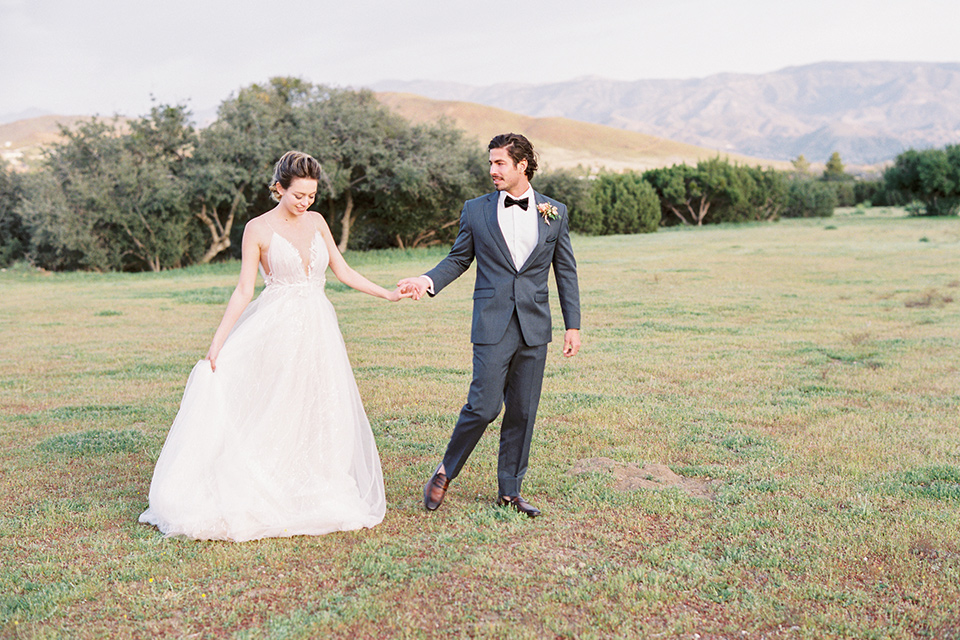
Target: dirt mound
(654, 477)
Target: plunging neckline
(306, 265)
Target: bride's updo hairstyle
(293, 165)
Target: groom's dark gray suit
(511, 329)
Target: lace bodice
(287, 266)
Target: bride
(271, 438)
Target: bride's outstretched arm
(351, 278)
(242, 294)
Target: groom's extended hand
(416, 287)
(571, 342)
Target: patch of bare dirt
(652, 477)
(929, 298)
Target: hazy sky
(109, 56)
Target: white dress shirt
(519, 227)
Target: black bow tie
(522, 202)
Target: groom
(516, 235)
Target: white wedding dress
(276, 442)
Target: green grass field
(802, 378)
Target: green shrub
(626, 204)
(810, 199)
(574, 189)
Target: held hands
(398, 294)
(415, 287)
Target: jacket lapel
(490, 213)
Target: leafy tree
(748, 194)
(771, 194)
(154, 187)
(931, 176)
(362, 147)
(846, 193)
(63, 201)
(627, 203)
(380, 172)
(834, 170)
(108, 200)
(60, 239)
(390, 183)
(231, 167)
(801, 165)
(682, 192)
(437, 170)
(727, 192)
(888, 196)
(14, 237)
(868, 192)
(730, 193)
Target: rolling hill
(22, 141)
(561, 142)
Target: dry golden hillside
(561, 142)
(22, 142)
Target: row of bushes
(91, 217)
(714, 191)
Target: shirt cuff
(430, 287)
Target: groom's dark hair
(518, 148)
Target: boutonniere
(548, 211)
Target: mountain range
(561, 142)
(867, 111)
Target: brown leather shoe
(435, 490)
(520, 505)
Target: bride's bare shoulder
(259, 228)
(318, 220)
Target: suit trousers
(506, 374)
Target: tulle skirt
(275, 442)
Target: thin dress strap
(263, 272)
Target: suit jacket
(500, 287)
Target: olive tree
(106, 199)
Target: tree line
(156, 192)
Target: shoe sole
(526, 513)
